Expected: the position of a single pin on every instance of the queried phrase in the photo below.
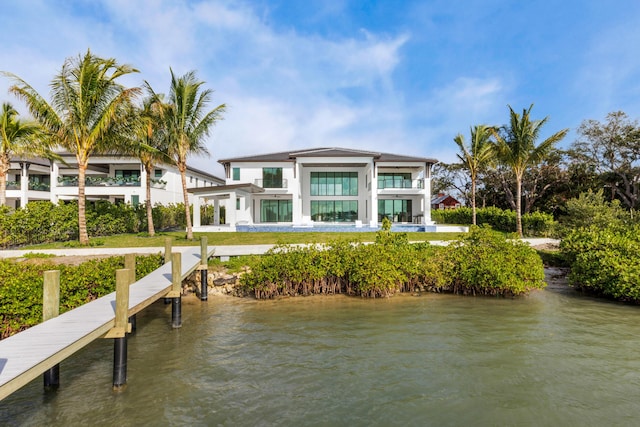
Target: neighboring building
(444, 201)
(112, 178)
(321, 186)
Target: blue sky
(394, 76)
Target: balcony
(39, 186)
(13, 185)
(396, 183)
(100, 181)
(271, 184)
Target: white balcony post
(216, 211)
(231, 210)
(196, 210)
(24, 183)
(53, 185)
(374, 195)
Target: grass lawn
(237, 238)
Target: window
(237, 203)
(157, 173)
(334, 183)
(135, 200)
(396, 210)
(276, 210)
(236, 174)
(394, 180)
(272, 177)
(127, 174)
(334, 210)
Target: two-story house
(113, 178)
(321, 186)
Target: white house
(112, 178)
(320, 186)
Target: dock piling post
(121, 327)
(51, 309)
(204, 285)
(167, 258)
(130, 264)
(176, 280)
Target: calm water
(554, 358)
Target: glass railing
(13, 185)
(268, 183)
(400, 183)
(100, 181)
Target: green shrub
(591, 209)
(484, 262)
(605, 261)
(21, 287)
(533, 224)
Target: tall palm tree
(517, 149)
(476, 156)
(149, 143)
(188, 124)
(85, 114)
(17, 137)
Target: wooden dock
(28, 354)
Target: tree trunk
(82, 214)
(183, 177)
(150, 228)
(5, 165)
(519, 205)
(473, 199)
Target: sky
(394, 76)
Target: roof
(441, 198)
(247, 188)
(291, 156)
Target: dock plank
(28, 354)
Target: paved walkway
(227, 250)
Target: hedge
(21, 287)
(533, 224)
(482, 263)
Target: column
(231, 209)
(427, 195)
(374, 195)
(216, 211)
(196, 210)
(296, 191)
(24, 183)
(53, 185)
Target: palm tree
(85, 114)
(476, 156)
(17, 137)
(188, 125)
(516, 148)
(149, 143)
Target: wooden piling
(120, 329)
(167, 259)
(176, 290)
(51, 309)
(130, 264)
(204, 285)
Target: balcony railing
(266, 183)
(39, 186)
(13, 185)
(401, 183)
(100, 181)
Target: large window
(271, 177)
(334, 183)
(276, 210)
(394, 180)
(334, 210)
(396, 210)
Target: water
(553, 358)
